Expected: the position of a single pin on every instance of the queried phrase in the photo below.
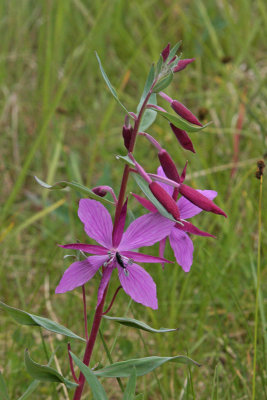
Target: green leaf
(149, 115)
(159, 66)
(129, 393)
(140, 396)
(143, 366)
(134, 323)
(174, 50)
(24, 318)
(163, 83)
(3, 389)
(44, 373)
(74, 185)
(31, 388)
(126, 159)
(96, 387)
(181, 123)
(145, 189)
(111, 88)
(148, 84)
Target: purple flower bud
(168, 166)
(165, 52)
(127, 132)
(199, 200)
(145, 203)
(165, 199)
(181, 110)
(182, 64)
(183, 138)
(100, 191)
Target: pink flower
(180, 242)
(113, 252)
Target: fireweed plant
(169, 202)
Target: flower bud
(165, 199)
(127, 130)
(199, 200)
(182, 64)
(181, 110)
(100, 191)
(165, 52)
(168, 166)
(183, 138)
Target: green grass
(58, 121)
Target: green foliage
(133, 323)
(129, 393)
(44, 373)
(24, 318)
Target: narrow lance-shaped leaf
(148, 84)
(96, 387)
(25, 318)
(44, 373)
(134, 323)
(111, 88)
(73, 185)
(129, 393)
(149, 115)
(174, 50)
(180, 122)
(143, 366)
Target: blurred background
(59, 121)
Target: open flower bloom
(180, 242)
(114, 252)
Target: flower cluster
(169, 201)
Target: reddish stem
(112, 301)
(71, 365)
(90, 344)
(85, 314)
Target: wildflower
(180, 242)
(114, 251)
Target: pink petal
(145, 231)
(145, 203)
(183, 248)
(139, 257)
(79, 273)
(188, 209)
(188, 227)
(162, 245)
(119, 227)
(139, 285)
(97, 221)
(87, 248)
(103, 284)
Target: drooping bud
(183, 111)
(127, 130)
(165, 199)
(182, 64)
(199, 200)
(100, 191)
(165, 52)
(183, 138)
(168, 166)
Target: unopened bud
(165, 52)
(168, 166)
(183, 111)
(182, 64)
(100, 191)
(165, 199)
(199, 200)
(183, 138)
(127, 130)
